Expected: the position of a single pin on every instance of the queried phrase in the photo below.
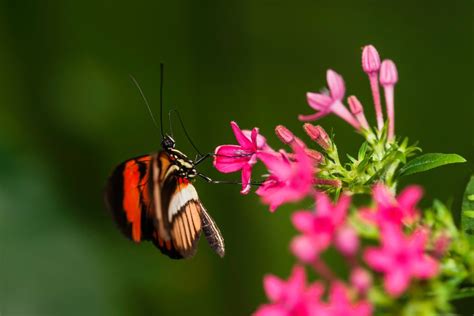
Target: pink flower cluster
(400, 258)
(290, 174)
(383, 73)
(402, 254)
(295, 298)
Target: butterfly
(152, 198)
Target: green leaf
(362, 151)
(429, 161)
(463, 293)
(467, 213)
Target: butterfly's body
(152, 198)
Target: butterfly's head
(167, 142)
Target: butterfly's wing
(150, 201)
(180, 216)
(128, 199)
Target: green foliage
(467, 214)
(377, 160)
(429, 161)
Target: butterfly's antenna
(146, 103)
(184, 130)
(170, 123)
(162, 72)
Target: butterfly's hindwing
(128, 199)
(212, 233)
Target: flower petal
(338, 294)
(230, 158)
(340, 209)
(377, 259)
(304, 248)
(276, 164)
(295, 286)
(271, 310)
(323, 204)
(246, 174)
(335, 84)
(409, 197)
(319, 101)
(347, 241)
(240, 136)
(274, 287)
(312, 117)
(396, 281)
(425, 267)
(261, 142)
(382, 195)
(303, 221)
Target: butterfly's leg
(200, 158)
(209, 180)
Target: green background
(69, 114)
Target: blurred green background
(69, 113)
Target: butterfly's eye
(168, 142)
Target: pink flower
(340, 303)
(320, 227)
(401, 258)
(393, 210)
(289, 181)
(292, 297)
(327, 103)
(232, 158)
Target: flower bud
(441, 244)
(388, 73)
(354, 105)
(370, 59)
(318, 134)
(358, 111)
(284, 134)
(315, 155)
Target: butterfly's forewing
(176, 205)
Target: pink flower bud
(335, 84)
(388, 73)
(361, 280)
(358, 111)
(370, 59)
(316, 156)
(441, 244)
(328, 182)
(347, 241)
(318, 134)
(354, 105)
(284, 134)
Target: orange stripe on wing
(131, 197)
